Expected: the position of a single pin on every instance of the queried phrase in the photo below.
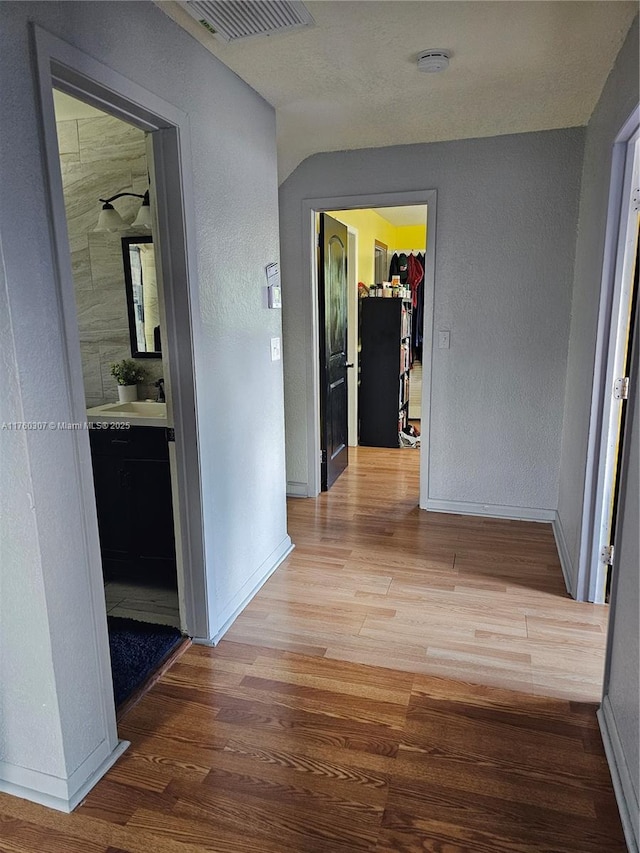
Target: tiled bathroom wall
(100, 157)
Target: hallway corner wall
(507, 213)
(619, 96)
(60, 715)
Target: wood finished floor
(282, 747)
(375, 580)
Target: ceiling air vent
(231, 20)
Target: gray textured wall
(48, 668)
(507, 213)
(618, 98)
(28, 690)
(100, 157)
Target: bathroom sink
(140, 407)
(138, 413)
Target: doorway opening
(622, 391)
(120, 325)
(618, 311)
(378, 341)
(63, 68)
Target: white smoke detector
(433, 60)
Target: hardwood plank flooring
(375, 580)
(243, 749)
(276, 742)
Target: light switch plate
(275, 349)
(444, 338)
(275, 296)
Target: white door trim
(76, 73)
(352, 336)
(310, 207)
(610, 341)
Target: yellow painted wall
(371, 227)
(411, 237)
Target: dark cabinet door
(132, 483)
(151, 509)
(113, 504)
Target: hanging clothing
(417, 330)
(418, 326)
(394, 266)
(415, 275)
(403, 267)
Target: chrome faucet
(160, 386)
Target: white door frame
(610, 344)
(352, 336)
(311, 207)
(74, 72)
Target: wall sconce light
(110, 220)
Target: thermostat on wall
(273, 286)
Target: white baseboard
(566, 563)
(514, 513)
(297, 490)
(51, 791)
(230, 613)
(626, 796)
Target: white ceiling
(414, 214)
(351, 80)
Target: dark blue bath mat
(137, 649)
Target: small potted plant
(127, 374)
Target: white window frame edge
(590, 582)
(310, 207)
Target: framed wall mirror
(142, 296)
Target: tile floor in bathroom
(145, 603)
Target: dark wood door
(332, 280)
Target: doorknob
(349, 365)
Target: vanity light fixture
(110, 220)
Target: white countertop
(137, 413)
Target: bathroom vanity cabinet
(133, 498)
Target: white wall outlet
(275, 349)
(444, 338)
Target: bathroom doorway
(62, 68)
(120, 311)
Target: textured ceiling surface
(351, 80)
